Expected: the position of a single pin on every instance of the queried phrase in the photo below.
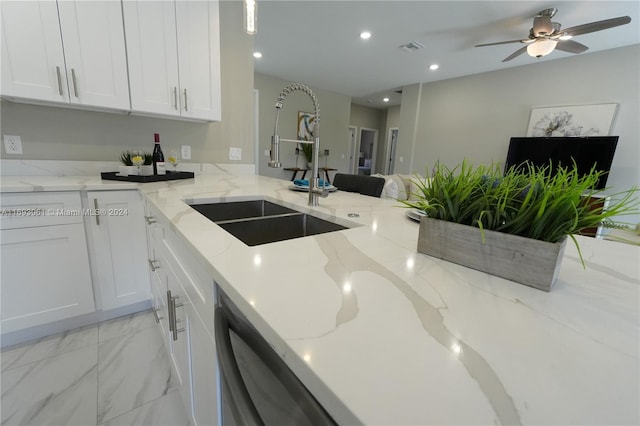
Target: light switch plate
(235, 153)
(12, 144)
(185, 152)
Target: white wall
(66, 134)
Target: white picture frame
(572, 120)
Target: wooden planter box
(526, 261)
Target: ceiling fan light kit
(541, 47)
(545, 36)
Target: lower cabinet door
(45, 275)
(178, 331)
(193, 349)
(204, 372)
(119, 248)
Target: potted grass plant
(514, 225)
(127, 168)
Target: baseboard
(38, 332)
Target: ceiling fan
(546, 36)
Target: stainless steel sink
(266, 230)
(258, 222)
(217, 212)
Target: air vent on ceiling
(412, 46)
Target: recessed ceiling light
(365, 35)
(257, 55)
(385, 99)
(434, 67)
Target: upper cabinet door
(68, 52)
(198, 31)
(93, 40)
(32, 57)
(153, 56)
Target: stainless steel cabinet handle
(75, 83)
(150, 220)
(59, 81)
(186, 103)
(153, 264)
(155, 314)
(170, 309)
(176, 331)
(97, 211)
(175, 97)
(173, 305)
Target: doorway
(392, 140)
(353, 131)
(367, 144)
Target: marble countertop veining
(60, 183)
(384, 335)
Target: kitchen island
(383, 335)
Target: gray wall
(67, 134)
(334, 122)
(392, 120)
(473, 117)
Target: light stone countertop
(383, 335)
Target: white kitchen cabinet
(179, 340)
(204, 372)
(192, 346)
(173, 51)
(45, 266)
(65, 53)
(121, 266)
(198, 30)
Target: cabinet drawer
(31, 209)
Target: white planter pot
(527, 261)
(146, 170)
(127, 171)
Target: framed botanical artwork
(306, 126)
(576, 120)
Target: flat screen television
(562, 151)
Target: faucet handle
(321, 191)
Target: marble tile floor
(114, 373)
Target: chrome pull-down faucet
(314, 189)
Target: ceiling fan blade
(597, 26)
(500, 42)
(515, 54)
(571, 46)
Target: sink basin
(256, 222)
(265, 230)
(218, 212)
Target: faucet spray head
(275, 152)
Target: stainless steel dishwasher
(257, 386)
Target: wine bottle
(158, 156)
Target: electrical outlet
(185, 152)
(12, 144)
(235, 153)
